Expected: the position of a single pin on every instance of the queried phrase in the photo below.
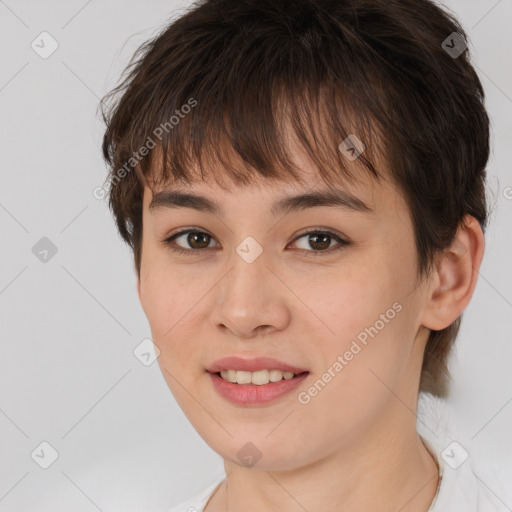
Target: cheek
(165, 289)
(357, 369)
(347, 300)
(171, 301)
(367, 315)
(163, 306)
(167, 308)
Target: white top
(465, 484)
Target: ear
(453, 282)
(138, 289)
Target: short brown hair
(381, 70)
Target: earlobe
(454, 280)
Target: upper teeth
(260, 377)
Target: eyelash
(168, 242)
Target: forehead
(275, 197)
(328, 170)
(215, 190)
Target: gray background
(68, 374)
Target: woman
(303, 187)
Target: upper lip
(252, 365)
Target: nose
(251, 300)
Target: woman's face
(252, 283)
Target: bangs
(262, 136)
(245, 114)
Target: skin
(354, 446)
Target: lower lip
(251, 394)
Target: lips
(253, 365)
(251, 395)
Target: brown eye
(320, 242)
(196, 240)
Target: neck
(388, 468)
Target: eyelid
(341, 239)
(168, 241)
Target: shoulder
(197, 502)
(470, 480)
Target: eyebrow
(336, 198)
